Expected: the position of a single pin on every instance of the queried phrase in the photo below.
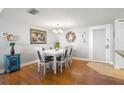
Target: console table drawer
(11, 62)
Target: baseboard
(87, 59)
(1, 71)
(121, 67)
(112, 63)
(118, 67)
(84, 59)
(28, 63)
(22, 65)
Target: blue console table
(11, 62)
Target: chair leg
(61, 67)
(70, 61)
(38, 67)
(65, 66)
(44, 69)
(67, 63)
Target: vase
(12, 52)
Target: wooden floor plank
(79, 73)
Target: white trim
(99, 26)
(1, 71)
(77, 58)
(107, 34)
(28, 63)
(87, 59)
(118, 20)
(90, 43)
(121, 67)
(22, 65)
(116, 67)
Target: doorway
(99, 43)
(99, 49)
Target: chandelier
(57, 30)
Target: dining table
(54, 53)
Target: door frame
(107, 28)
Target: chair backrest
(66, 51)
(38, 48)
(50, 47)
(64, 55)
(70, 52)
(40, 54)
(43, 49)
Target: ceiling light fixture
(58, 30)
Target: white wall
(23, 46)
(80, 48)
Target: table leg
(54, 64)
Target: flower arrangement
(11, 38)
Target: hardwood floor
(78, 74)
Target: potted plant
(57, 45)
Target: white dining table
(54, 53)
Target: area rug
(107, 69)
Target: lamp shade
(60, 31)
(55, 31)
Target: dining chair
(62, 59)
(50, 47)
(69, 56)
(43, 60)
(43, 49)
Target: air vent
(33, 11)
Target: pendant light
(58, 30)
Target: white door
(99, 46)
(99, 43)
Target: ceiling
(66, 17)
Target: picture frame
(38, 36)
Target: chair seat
(48, 59)
(58, 58)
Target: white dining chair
(43, 60)
(69, 56)
(41, 49)
(62, 59)
(50, 47)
